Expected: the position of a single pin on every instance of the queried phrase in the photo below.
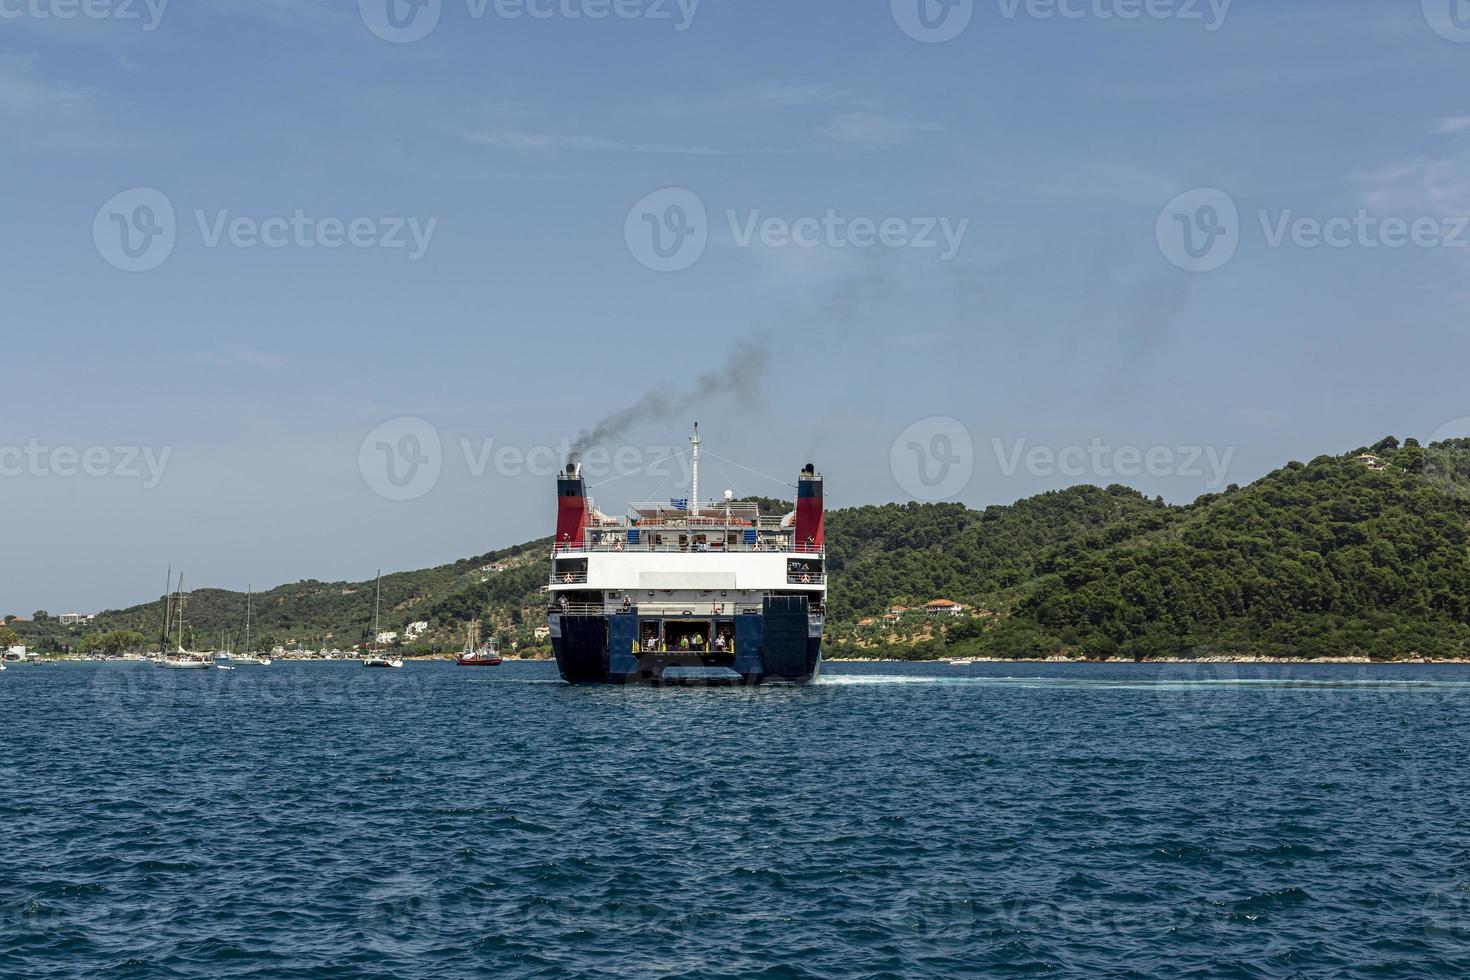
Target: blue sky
(530, 151)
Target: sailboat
(182, 659)
(376, 658)
(249, 658)
(476, 655)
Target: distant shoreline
(1155, 660)
(1283, 661)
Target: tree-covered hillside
(1328, 558)
(1334, 557)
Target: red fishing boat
(478, 655)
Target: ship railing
(673, 547)
(652, 610)
(568, 578)
(805, 578)
(579, 608)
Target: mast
(694, 470)
(249, 590)
(377, 605)
(181, 612)
(168, 611)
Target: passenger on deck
(684, 643)
(720, 644)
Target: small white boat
(963, 663)
(223, 667)
(183, 660)
(381, 661)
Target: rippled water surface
(321, 820)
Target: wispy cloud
(1435, 185)
(42, 113)
(771, 97)
(820, 117)
(232, 353)
(287, 14)
(872, 131)
(514, 139)
(1452, 125)
(23, 92)
(1431, 185)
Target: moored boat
(476, 654)
(180, 659)
(374, 657)
(249, 658)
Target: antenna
(694, 469)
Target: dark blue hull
(774, 646)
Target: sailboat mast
(168, 611)
(377, 606)
(181, 612)
(249, 594)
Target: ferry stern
(688, 592)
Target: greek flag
(680, 503)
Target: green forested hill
(1326, 558)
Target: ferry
(688, 591)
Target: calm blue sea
(321, 820)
